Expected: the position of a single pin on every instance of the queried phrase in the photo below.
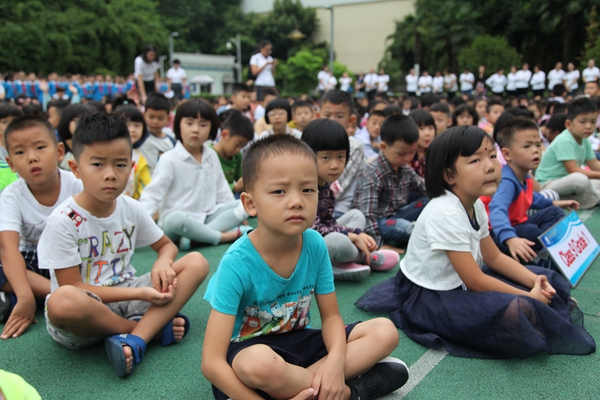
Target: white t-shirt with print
(101, 247)
(21, 212)
(265, 77)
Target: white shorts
(126, 309)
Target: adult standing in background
(572, 79)
(511, 84)
(523, 78)
(146, 72)
(556, 76)
(411, 83)
(371, 80)
(425, 82)
(437, 85)
(450, 83)
(591, 73)
(359, 85)
(263, 68)
(480, 89)
(466, 79)
(346, 82)
(538, 82)
(176, 79)
(497, 82)
(323, 78)
(382, 81)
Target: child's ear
(506, 154)
(383, 146)
(317, 114)
(10, 164)
(60, 151)
(568, 124)
(74, 168)
(352, 119)
(224, 134)
(248, 203)
(449, 176)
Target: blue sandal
(114, 350)
(167, 332)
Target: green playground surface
(174, 372)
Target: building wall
(361, 27)
(218, 67)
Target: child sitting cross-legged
(88, 246)
(349, 247)
(258, 342)
(514, 231)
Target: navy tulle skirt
(484, 324)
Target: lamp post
(162, 60)
(238, 61)
(330, 8)
(171, 36)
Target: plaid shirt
(355, 164)
(381, 192)
(325, 223)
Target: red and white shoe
(350, 271)
(384, 260)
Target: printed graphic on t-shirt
(268, 317)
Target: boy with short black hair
(441, 115)
(515, 232)
(383, 186)
(34, 153)
(302, 113)
(561, 168)
(369, 135)
(240, 101)
(493, 110)
(257, 342)
(54, 110)
(88, 246)
(237, 131)
(156, 141)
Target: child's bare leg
(368, 343)
(40, 286)
(259, 367)
(191, 270)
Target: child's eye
(475, 161)
(41, 147)
(278, 191)
(96, 164)
(527, 146)
(121, 165)
(308, 190)
(18, 152)
(493, 156)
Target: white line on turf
(428, 361)
(418, 371)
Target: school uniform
(523, 78)
(572, 81)
(590, 74)
(555, 77)
(411, 84)
(466, 79)
(538, 82)
(497, 83)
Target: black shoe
(386, 376)
(6, 306)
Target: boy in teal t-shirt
(561, 168)
(237, 131)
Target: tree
(493, 52)
(299, 73)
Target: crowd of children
(339, 188)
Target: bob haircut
(422, 117)
(278, 104)
(461, 109)
(69, 114)
(133, 114)
(326, 135)
(147, 49)
(196, 108)
(444, 150)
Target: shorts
(31, 263)
(127, 309)
(302, 348)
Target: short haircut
(9, 110)
(392, 109)
(580, 106)
(122, 100)
(59, 105)
(457, 101)
(557, 122)
(324, 134)
(302, 103)
(71, 112)
(502, 119)
(338, 98)
(23, 122)
(509, 129)
(240, 87)
(269, 92)
(440, 107)
(559, 89)
(429, 99)
(375, 103)
(521, 111)
(399, 128)
(99, 127)
(196, 108)
(97, 105)
(377, 113)
(560, 108)
(443, 152)
(33, 109)
(494, 101)
(176, 61)
(159, 102)
(278, 104)
(422, 117)
(271, 146)
(238, 125)
(464, 108)
(131, 113)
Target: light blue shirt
(263, 302)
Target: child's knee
(195, 262)
(383, 332)
(66, 302)
(259, 366)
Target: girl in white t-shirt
(189, 189)
(455, 287)
(262, 66)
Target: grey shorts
(126, 309)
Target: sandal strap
(136, 343)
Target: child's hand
(329, 380)
(362, 246)
(568, 204)
(305, 394)
(20, 318)
(519, 247)
(157, 298)
(163, 276)
(369, 241)
(239, 185)
(536, 291)
(546, 288)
